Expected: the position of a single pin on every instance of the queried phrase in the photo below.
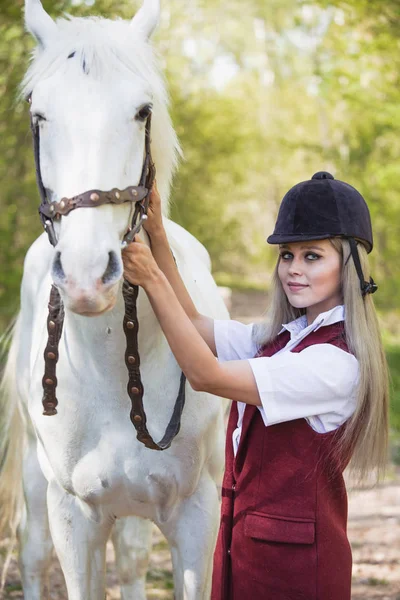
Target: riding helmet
(322, 208)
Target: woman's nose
(295, 266)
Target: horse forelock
(98, 47)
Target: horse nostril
(57, 269)
(113, 271)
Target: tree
(261, 99)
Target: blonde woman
(309, 391)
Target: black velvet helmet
(322, 208)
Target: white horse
(91, 81)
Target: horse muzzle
(89, 304)
(82, 295)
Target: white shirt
(318, 384)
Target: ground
(374, 532)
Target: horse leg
(132, 540)
(192, 535)
(33, 531)
(80, 533)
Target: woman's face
(310, 273)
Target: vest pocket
(286, 530)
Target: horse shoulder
(194, 265)
(36, 268)
(181, 239)
(35, 289)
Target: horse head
(92, 85)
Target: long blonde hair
(365, 436)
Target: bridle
(49, 211)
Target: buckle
(369, 287)
(128, 239)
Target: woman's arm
(232, 379)
(164, 259)
(320, 380)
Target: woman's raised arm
(232, 379)
(165, 261)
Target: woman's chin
(297, 302)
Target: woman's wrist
(154, 280)
(157, 235)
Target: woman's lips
(296, 287)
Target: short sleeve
(318, 383)
(234, 340)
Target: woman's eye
(312, 256)
(144, 113)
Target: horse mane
(103, 46)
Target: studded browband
(91, 199)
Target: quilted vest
(284, 506)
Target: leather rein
(49, 211)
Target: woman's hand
(154, 224)
(140, 268)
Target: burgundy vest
(284, 506)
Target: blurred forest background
(263, 94)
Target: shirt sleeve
(319, 383)
(234, 340)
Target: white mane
(104, 46)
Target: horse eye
(38, 117)
(144, 113)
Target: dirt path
(374, 532)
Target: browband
(92, 199)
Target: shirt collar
(299, 326)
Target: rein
(49, 211)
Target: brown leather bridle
(54, 210)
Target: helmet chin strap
(367, 287)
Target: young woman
(310, 393)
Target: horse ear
(39, 23)
(146, 19)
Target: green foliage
(215, 163)
(313, 85)
(374, 581)
(393, 356)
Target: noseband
(50, 211)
